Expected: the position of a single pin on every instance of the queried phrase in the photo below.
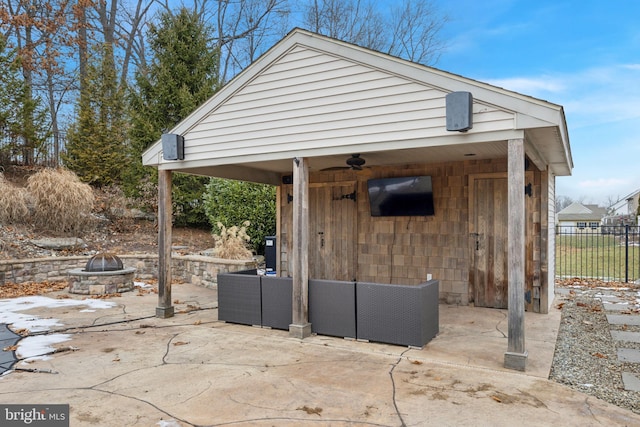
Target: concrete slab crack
(393, 385)
(504, 317)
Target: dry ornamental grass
(231, 243)
(13, 202)
(62, 203)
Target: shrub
(186, 196)
(232, 202)
(13, 203)
(110, 202)
(61, 202)
(232, 242)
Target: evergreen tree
(96, 141)
(22, 118)
(181, 76)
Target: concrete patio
(125, 367)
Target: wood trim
(332, 184)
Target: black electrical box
(270, 254)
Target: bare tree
(244, 50)
(562, 202)
(355, 21)
(130, 31)
(416, 27)
(409, 30)
(40, 31)
(119, 26)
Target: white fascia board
(452, 139)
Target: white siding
(306, 100)
(551, 239)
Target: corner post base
(516, 361)
(164, 312)
(300, 331)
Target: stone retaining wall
(196, 269)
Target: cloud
(603, 94)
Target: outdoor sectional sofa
(395, 314)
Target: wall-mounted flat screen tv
(404, 196)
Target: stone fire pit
(104, 273)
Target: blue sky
(581, 54)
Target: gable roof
(322, 98)
(578, 212)
(625, 200)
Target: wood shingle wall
(404, 250)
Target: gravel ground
(586, 357)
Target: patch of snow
(37, 347)
(10, 311)
(168, 423)
(142, 285)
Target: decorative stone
(59, 243)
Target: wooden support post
(165, 307)
(300, 328)
(516, 355)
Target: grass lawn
(594, 255)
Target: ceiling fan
(355, 162)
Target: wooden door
(489, 216)
(333, 234)
(489, 275)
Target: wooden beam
(300, 328)
(278, 229)
(516, 355)
(165, 307)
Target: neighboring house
(579, 218)
(321, 120)
(627, 205)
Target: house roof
(625, 200)
(578, 212)
(321, 98)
